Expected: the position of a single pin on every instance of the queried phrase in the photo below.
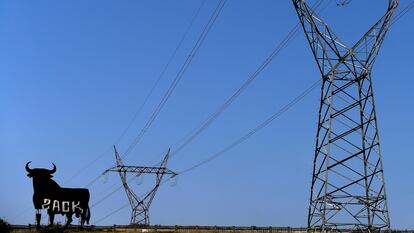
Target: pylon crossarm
(324, 43)
(375, 36)
(329, 51)
(141, 170)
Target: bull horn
(28, 168)
(53, 170)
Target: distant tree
(4, 226)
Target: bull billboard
(57, 200)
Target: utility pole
(140, 206)
(348, 187)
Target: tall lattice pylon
(140, 206)
(348, 188)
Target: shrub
(4, 226)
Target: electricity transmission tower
(348, 188)
(140, 207)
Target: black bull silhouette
(57, 200)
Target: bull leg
(83, 218)
(82, 221)
(51, 217)
(38, 217)
(68, 219)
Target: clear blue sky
(73, 73)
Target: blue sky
(73, 73)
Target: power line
(111, 193)
(87, 166)
(179, 75)
(256, 129)
(149, 94)
(111, 213)
(404, 11)
(161, 75)
(239, 91)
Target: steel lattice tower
(140, 206)
(347, 188)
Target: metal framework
(140, 206)
(347, 188)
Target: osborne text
(61, 206)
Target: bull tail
(88, 215)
